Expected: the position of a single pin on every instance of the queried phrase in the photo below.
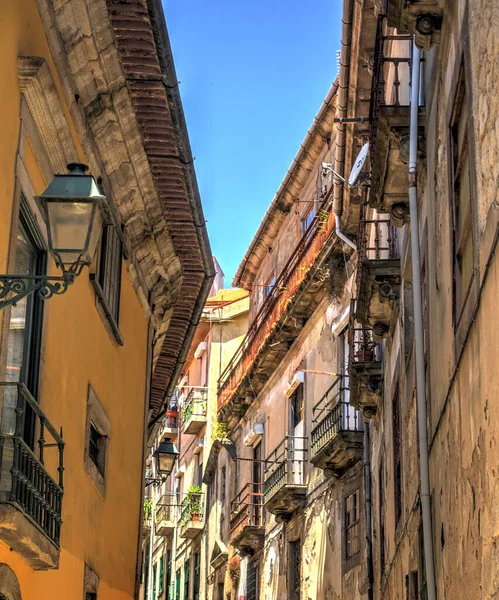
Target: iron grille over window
(95, 448)
(352, 524)
(294, 570)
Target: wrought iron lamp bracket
(21, 286)
(155, 481)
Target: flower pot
(195, 517)
(365, 355)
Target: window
(187, 574)
(397, 456)
(352, 525)
(90, 596)
(461, 200)
(154, 571)
(220, 591)
(269, 286)
(297, 406)
(178, 591)
(95, 446)
(381, 492)
(161, 574)
(107, 281)
(168, 574)
(97, 433)
(196, 584)
(24, 324)
(294, 581)
(307, 220)
(252, 580)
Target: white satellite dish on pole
(358, 165)
(356, 169)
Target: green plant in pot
(365, 352)
(147, 508)
(195, 506)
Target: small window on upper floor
(307, 220)
(269, 286)
(97, 433)
(352, 525)
(107, 280)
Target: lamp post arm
(21, 286)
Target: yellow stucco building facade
(84, 372)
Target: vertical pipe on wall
(368, 506)
(419, 332)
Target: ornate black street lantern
(165, 455)
(74, 211)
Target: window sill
(105, 307)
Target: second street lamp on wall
(166, 455)
(74, 211)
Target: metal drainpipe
(173, 574)
(339, 152)
(368, 503)
(151, 545)
(418, 333)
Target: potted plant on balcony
(147, 508)
(365, 352)
(194, 495)
(234, 569)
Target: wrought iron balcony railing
(333, 415)
(166, 507)
(280, 295)
(25, 479)
(377, 240)
(391, 76)
(246, 508)
(195, 404)
(192, 508)
(285, 465)
(363, 347)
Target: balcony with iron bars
(169, 426)
(378, 275)
(31, 479)
(194, 410)
(390, 123)
(192, 515)
(337, 431)
(285, 487)
(366, 382)
(290, 302)
(164, 518)
(247, 526)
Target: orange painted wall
(77, 349)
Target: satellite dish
(359, 163)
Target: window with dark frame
(297, 405)
(397, 455)
(25, 323)
(196, 584)
(352, 525)
(96, 448)
(107, 280)
(294, 570)
(461, 198)
(220, 591)
(307, 220)
(90, 596)
(187, 576)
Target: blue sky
(253, 75)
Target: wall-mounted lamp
(74, 211)
(165, 455)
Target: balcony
(291, 300)
(247, 528)
(192, 515)
(284, 488)
(423, 18)
(366, 381)
(169, 426)
(379, 277)
(337, 431)
(31, 479)
(164, 521)
(390, 120)
(194, 410)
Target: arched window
(9, 585)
